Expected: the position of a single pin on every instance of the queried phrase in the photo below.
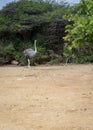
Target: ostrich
(30, 53)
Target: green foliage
(6, 53)
(80, 33)
(24, 21)
(78, 55)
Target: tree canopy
(23, 21)
(80, 33)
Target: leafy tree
(25, 20)
(80, 33)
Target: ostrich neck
(35, 47)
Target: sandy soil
(46, 98)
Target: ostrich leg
(28, 62)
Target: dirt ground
(46, 97)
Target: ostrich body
(30, 53)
